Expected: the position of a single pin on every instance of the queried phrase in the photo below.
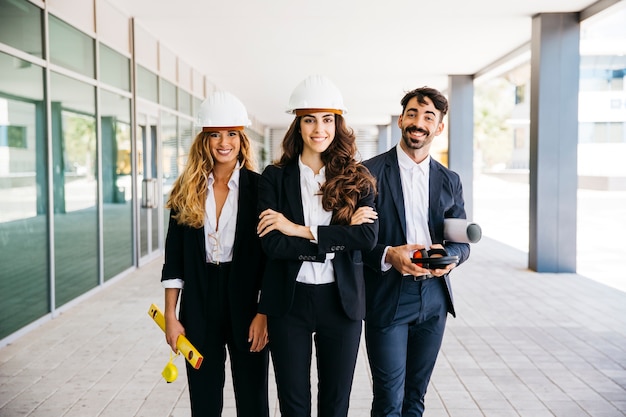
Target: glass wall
(115, 122)
(74, 182)
(116, 183)
(170, 152)
(71, 48)
(24, 278)
(75, 187)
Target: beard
(416, 144)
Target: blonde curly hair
(188, 196)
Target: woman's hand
(273, 220)
(257, 333)
(364, 214)
(173, 329)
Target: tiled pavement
(523, 344)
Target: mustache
(412, 129)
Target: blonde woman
(214, 263)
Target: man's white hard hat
(222, 110)
(316, 92)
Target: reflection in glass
(24, 289)
(116, 183)
(114, 68)
(146, 145)
(20, 26)
(71, 48)
(74, 187)
(147, 84)
(184, 102)
(168, 94)
(170, 154)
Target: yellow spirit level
(182, 344)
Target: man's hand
(400, 258)
(441, 271)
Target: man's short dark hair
(439, 100)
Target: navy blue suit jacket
(185, 258)
(445, 201)
(279, 189)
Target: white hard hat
(222, 109)
(316, 92)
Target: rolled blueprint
(461, 231)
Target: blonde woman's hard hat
(316, 92)
(224, 111)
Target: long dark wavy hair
(346, 178)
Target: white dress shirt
(414, 178)
(314, 215)
(219, 240)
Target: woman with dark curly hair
(317, 215)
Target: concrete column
(384, 137)
(396, 134)
(555, 63)
(461, 134)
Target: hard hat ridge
(316, 92)
(222, 109)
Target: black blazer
(279, 190)
(185, 258)
(445, 201)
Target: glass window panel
(114, 68)
(147, 84)
(20, 26)
(168, 94)
(24, 289)
(170, 156)
(116, 183)
(184, 102)
(71, 48)
(75, 187)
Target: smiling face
(318, 132)
(419, 123)
(225, 146)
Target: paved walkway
(524, 344)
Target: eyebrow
(324, 115)
(427, 111)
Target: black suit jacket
(185, 259)
(445, 201)
(280, 190)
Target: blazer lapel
(293, 193)
(434, 193)
(393, 183)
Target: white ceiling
(374, 51)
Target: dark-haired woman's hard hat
(316, 92)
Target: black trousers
(249, 370)
(316, 315)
